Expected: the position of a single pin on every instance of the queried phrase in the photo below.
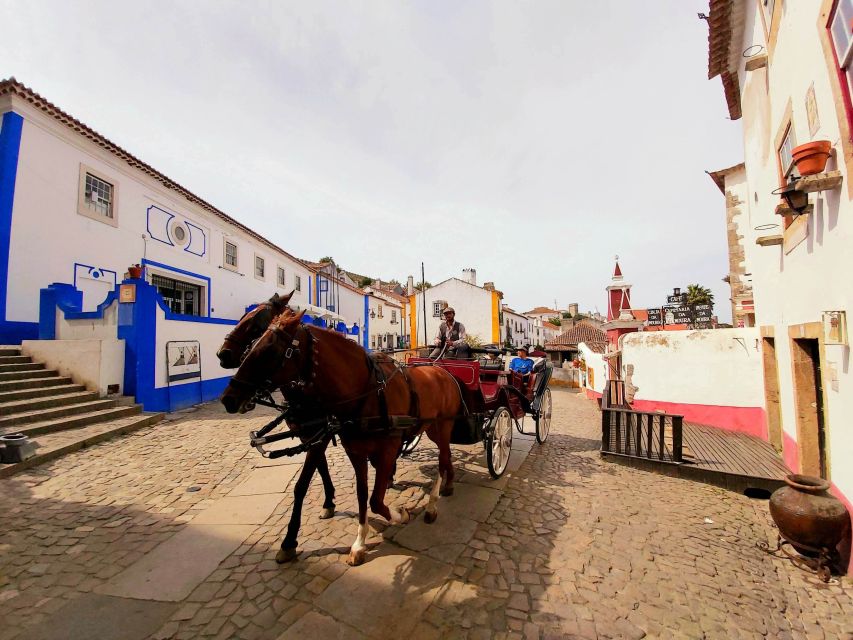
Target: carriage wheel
(499, 442)
(411, 445)
(543, 419)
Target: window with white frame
(280, 277)
(259, 267)
(786, 156)
(379, 311)
(297, 283)
(393, 316)
(97, 196)
(842, 39)
(230, 257)
(437, 308)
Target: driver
(453, 333)
(522, 364)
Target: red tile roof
(13, 87)
(725, 23)
(577, 334)
(539, 310)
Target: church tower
(618, 297)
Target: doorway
(808, 397)
(771, 393)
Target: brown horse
(251, 326)
(337, 382)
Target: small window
(786, 156)
(297, 282)
(259, 267)
(230, 255)
(841, 35)
(97, 196)
(393, 315)
(280, 279)
(380, 311)
(372, 342)
(437, 308)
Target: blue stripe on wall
(10, 145)
(364, 338)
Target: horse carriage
(495, 399)
(334, 389)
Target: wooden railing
(614, 395)
(655, 436)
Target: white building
(516, 328)
(542, 331)
(393, 325)
(478, 308)
(76, 211)
(787, 70)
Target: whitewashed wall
(104, 328)
(209, 335)
(46, 196)
(473, 307)
(96, 363)
(594, 362)
(381, 325)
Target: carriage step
(60, 398)
(40, 392)
(53, 445)
(34, 383)
(38, 372)
(13, 423)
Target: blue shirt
(521, 365)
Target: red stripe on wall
(749, 420)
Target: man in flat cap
(451, 333)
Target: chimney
(410, 286)
(470, 276)
(489, 286)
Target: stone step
(28, 375)
(72, 421)
(34, 383)
(21, 366)
(59, 399)
(15, 359)
(13, 423)
(10, 350)
(41, 392)
(53, 445)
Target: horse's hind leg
(328, 487)
(445, 457)
(289, 544)
(358, 551)
(431, 512)
(384, 463)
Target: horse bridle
(291, 350)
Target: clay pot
(811, 157)
(808, 516)
(134, 271)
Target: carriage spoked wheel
(411, 445)
(499, 442)
(543, 418)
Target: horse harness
(306, 414)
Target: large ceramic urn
(808, 516)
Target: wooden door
(808, 397)
(771, 393)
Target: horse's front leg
(328, 486)
(358, 551)
(384, 461)
(289, 544)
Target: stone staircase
(58, 415)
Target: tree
(580, 316)
(566, 315)
(420, 286)
(557, 321)
(698, 296)
(366, 281)
(326, 259)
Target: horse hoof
(447, 491)
(328, 512)
(356, 557)
(285, 555)
(430, 516)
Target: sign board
(183, 360)
(677, 298)
(655, 316)
(127, 293)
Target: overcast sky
(532, 141)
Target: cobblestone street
(171, 532)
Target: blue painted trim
(203, 239)
(92, 268)
(137, 326)
(160, 265)
(11, 332)
(148, 225)
(310, 301)
(364, 337)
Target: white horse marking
(359, 544)
(433, 494)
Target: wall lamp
(797, 201)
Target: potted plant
(811, 157)
(135, 271)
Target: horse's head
(274, 360)
(249, 329)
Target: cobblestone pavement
(573, 547)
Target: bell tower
(618, 296)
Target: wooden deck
(727, 459)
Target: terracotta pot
(811, 157)
(134, 272)
(808, 516)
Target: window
(97, 196)
(297, 283)
(372, 342)
(230, 258)
(181, 297)
(841, 33)
(380, 311)
(280, 279)
(393, 316)
(786, 157)
(437, 308)
(259, 267)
